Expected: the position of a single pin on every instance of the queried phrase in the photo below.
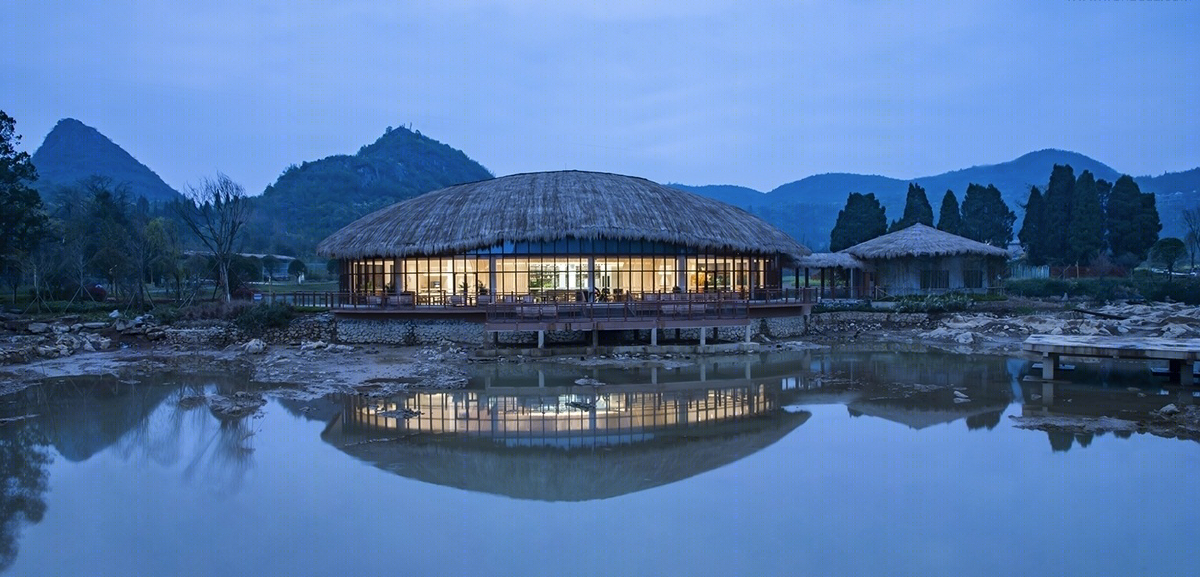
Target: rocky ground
(31, 351)
(1003, 333)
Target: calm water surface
(761, 465)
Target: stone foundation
(417, 332)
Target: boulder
(115, 314)
(1169, 410)
(38, 328)
(255, 346)
(95, 326)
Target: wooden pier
(1181, 354)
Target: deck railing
(664, 303)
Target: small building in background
(921, 259)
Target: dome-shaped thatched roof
(921, 240)
(545, 206)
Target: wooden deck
(1181, 354)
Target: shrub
(937, 303)
(213, 311)
(1096, 289)
(259, 318)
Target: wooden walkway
(1181, 354)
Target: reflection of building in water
(575, 417)
(565, 445)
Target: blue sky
(750, 93)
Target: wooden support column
(1049, 366)
(654, 337)
(748, 334)
(703, 336)
(595, 338)
(541, 339)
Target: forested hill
(311, 201)
(74, 151)
(807, 208)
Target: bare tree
(215, 212)
(1191, 218)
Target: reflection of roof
(547, 474)
(919, 417)
(921, 240)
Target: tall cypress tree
(949, 218)
(1031, 229)
(1132, 222)
(1056, 213)
(916, 209)
(863, 219)
(1085, 233)
(985, 216)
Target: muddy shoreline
(312, 369)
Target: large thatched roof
(921, 240)
(546, 206)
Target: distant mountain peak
(74, 151)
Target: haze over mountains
(313, 199)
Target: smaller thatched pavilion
(921, 259)
(840, 275)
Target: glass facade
(566, 270)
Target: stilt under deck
(1181, 354)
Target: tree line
(983, 216)
(1076, 221)
(1084, 220)
(97, 231)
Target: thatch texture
(921, 240)
(547, 206)
(831, 260)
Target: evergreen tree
(1166, 252)
(1132, 222)
(1031, 229)
(916, 209)
(22, 222)
(985, 216)
(1056, 213)
(1085, 233)
(949, 218)
(863, 219)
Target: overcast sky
(749, 93)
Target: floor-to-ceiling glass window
(561, 271)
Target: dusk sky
(750, 93)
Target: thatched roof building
(843, 260)
(921, 259)
(546, 206)
(558, 235)
(921, 240)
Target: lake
(803, 462)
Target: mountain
(726, 193)
(74, 151)
(807, 208)
(1174, 193)
(308, 202)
